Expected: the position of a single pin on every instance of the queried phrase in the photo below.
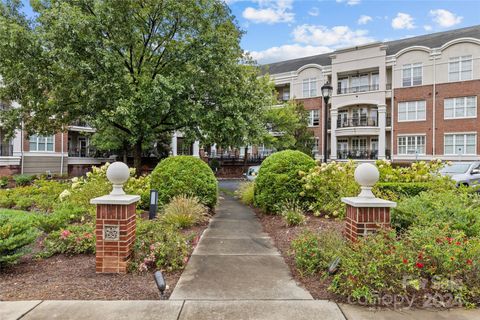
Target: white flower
(65, 193)
(75, 179)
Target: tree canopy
(142, 68)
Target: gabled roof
(434, 40)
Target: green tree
(145, 68)
(288, 126)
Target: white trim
(10, 161)
(416, 64)
(416, 111)
(116, 199)
(44, 154)
(464, 141)
(459, 40)
(310, 65)
(459, 68)
(46, 143)
(412, 48)
(416, 145)
(454, 105)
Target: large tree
(143, 67)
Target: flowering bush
(424, 259)
(326, 184)
(74, 239)
(422, 171)
(160, 246)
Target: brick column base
(361, 221)
(115, 232)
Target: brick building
(404, 100)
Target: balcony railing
(357, 122)
(6, 150)
(360, 154)
(373, 87)
(91, 153)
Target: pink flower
(64, 234)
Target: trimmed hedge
(279, 179)
(185, 175)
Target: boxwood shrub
(185, 175)
(279, 179)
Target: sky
(277, 30)
(286, 29)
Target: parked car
(252, 173)
(464, 173)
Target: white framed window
(412, 74)
(313, 118)
(412, 111)
(316, 145)
(458, 108)
(460, 143)
(460, 68)
(411, 145)
(286, 94)
(41, 143)
(309, 87)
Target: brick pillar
(115, 234)
(361, 221)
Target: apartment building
(405, 100)
(66, 152)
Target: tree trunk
(245, 159)
(137, 158)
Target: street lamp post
(327, 90)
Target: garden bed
(73, 278)
(282, 236)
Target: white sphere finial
(118, 173)
(366, 176)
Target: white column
(173, 145)
(333, 136)
(213, 150)
(382, 123)
(196, 149)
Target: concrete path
(236, 260)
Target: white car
(252, 173)
(463, 173)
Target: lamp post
(327, 90)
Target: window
(412, 75)
(316, 145)
(460, 68)
(342, 85)
(460, 143)
(463, 107)
(309, 87)
(314, 118)
(41, 143)
(375, 81)
(412, 111)
(286, 94)
(411, 145)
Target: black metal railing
(357, 122)
(90, 153)
(6, 150)
(365, 88)
(81, 123)
(360, 154)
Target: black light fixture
(327, 91)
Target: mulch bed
(283, 236)
(73, 278)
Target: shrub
(187, 175)
(459, 208)
(396, 191)
(421, 171)
(23, 179)
(279, 179)
(325, 185)
(159, 246)
(74, 239)
(292, 213)
(63, 215)
(245, 192)
(24, 203)
(16, 234)
(184, 211)
(3, 182)
(424, 259)
(315, 251)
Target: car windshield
(456, 168)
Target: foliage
(3, 182)
(185, 175)
(17, 232)
(279, 178)
(315, 251)
(74, 239)
(64, 214)
(291, 120)
(139, 69)
(245, 192)
(425, 258)
(459, 208)
(184, 212)
(292, 213)
(23, 179)
(395, 191)
(421, 171)
(160, 247)
(326, 184)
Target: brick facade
(315, 104)
(113, 256)
(362, 221)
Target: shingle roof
(433, 40)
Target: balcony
(359, 122)
(365, 88)
(360, 154)
(6, 150)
